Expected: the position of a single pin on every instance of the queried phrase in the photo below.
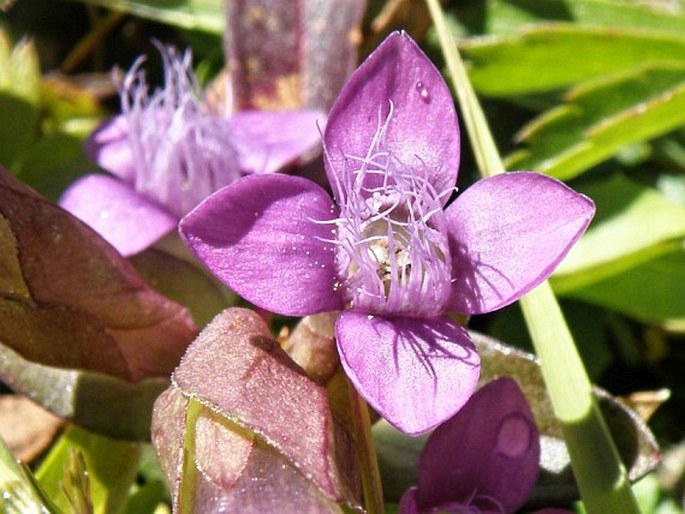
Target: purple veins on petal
(414, 372)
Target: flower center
(392, 256)
(182, 152)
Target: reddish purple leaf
(68, 299)
(265, 437)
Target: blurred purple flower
(485, 459)
(168, 151)
(387, 251)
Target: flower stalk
(597, 467)
(366, 453)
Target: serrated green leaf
(651, 292)
(205, 15)
(554, 56)
(633, 224)
(508, 16)
(111, 467)
(601, 117)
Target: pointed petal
(109, 147)
(268, 140)
(508, 233)
(487, 454)
(422, 131)
(128, 221)
(263, 236)
(415, 372)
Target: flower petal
(408, 503)
(128, 221)
(415, 372)
(422, 131)
(264, 236)
(486, 455)
(109, 147)
(508, 233)
(268, 140)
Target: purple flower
(386, 251)
(168, 151)
(485, 459)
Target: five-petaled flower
(170, 149)
(485, 459)
(386, 251)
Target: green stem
(597, 467)
(186, 487)
(487, 157)
(366, 453)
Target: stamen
(182, 152)
(392, 257)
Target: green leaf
(18, 129)
(111, 467)
(19, 69)
(651, 292)
(588, 326)
(602, 116)
(553, 56)
(508, 16)
(633, 224)
(75, 484)
(52, 162)
(19, 493)
(205, 15)
(93, 400)
(398, 458)
(150, 490)
(19, 98)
